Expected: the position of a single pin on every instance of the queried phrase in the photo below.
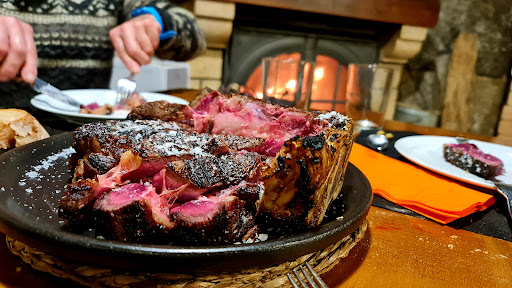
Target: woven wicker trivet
(274, 276)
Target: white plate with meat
(427, 151)
(89, 96)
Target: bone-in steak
(217, 171)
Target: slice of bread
(18, 127)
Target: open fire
(329, 83)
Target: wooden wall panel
(424, 13)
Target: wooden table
(397, 250)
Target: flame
(290, 85)
(319, 73)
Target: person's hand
(136, 40)
(18, 53)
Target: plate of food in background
(429, 152)
(98, 104)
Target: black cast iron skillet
(28, 212)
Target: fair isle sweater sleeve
(188, 43)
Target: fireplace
(332, 33)
(260, 32)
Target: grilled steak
(78, 201)
(308, 150)
(224, 170)
(214, 172)
(212, 220)
(469, 157)
(165, 111)
(133, 213)
(153, 139)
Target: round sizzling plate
(32, 180)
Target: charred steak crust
(225, 170)
(150, 139)
(159, 110)
(77, 202)
(217, 171)
(113, 138)
(310, 176)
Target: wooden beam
(456, 112)
(422, 13)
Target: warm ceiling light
(259, 95)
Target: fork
(312, 279)
(125, 88)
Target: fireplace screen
(329, 82)
(332, 54)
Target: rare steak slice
(241, 116)
(249, 192)
(308, 152)
(469, 157)
(212, 220)
(133, 213)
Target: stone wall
(444, 79)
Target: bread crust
(18, 127)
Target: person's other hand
(136, 40)
(18, 53)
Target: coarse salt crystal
(262, 237)
(48, 162)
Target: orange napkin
(426, 193)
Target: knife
(43, 87)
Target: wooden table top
(397, 251)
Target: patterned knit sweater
(73, 46)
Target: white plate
(88, 96)
(427, 151)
